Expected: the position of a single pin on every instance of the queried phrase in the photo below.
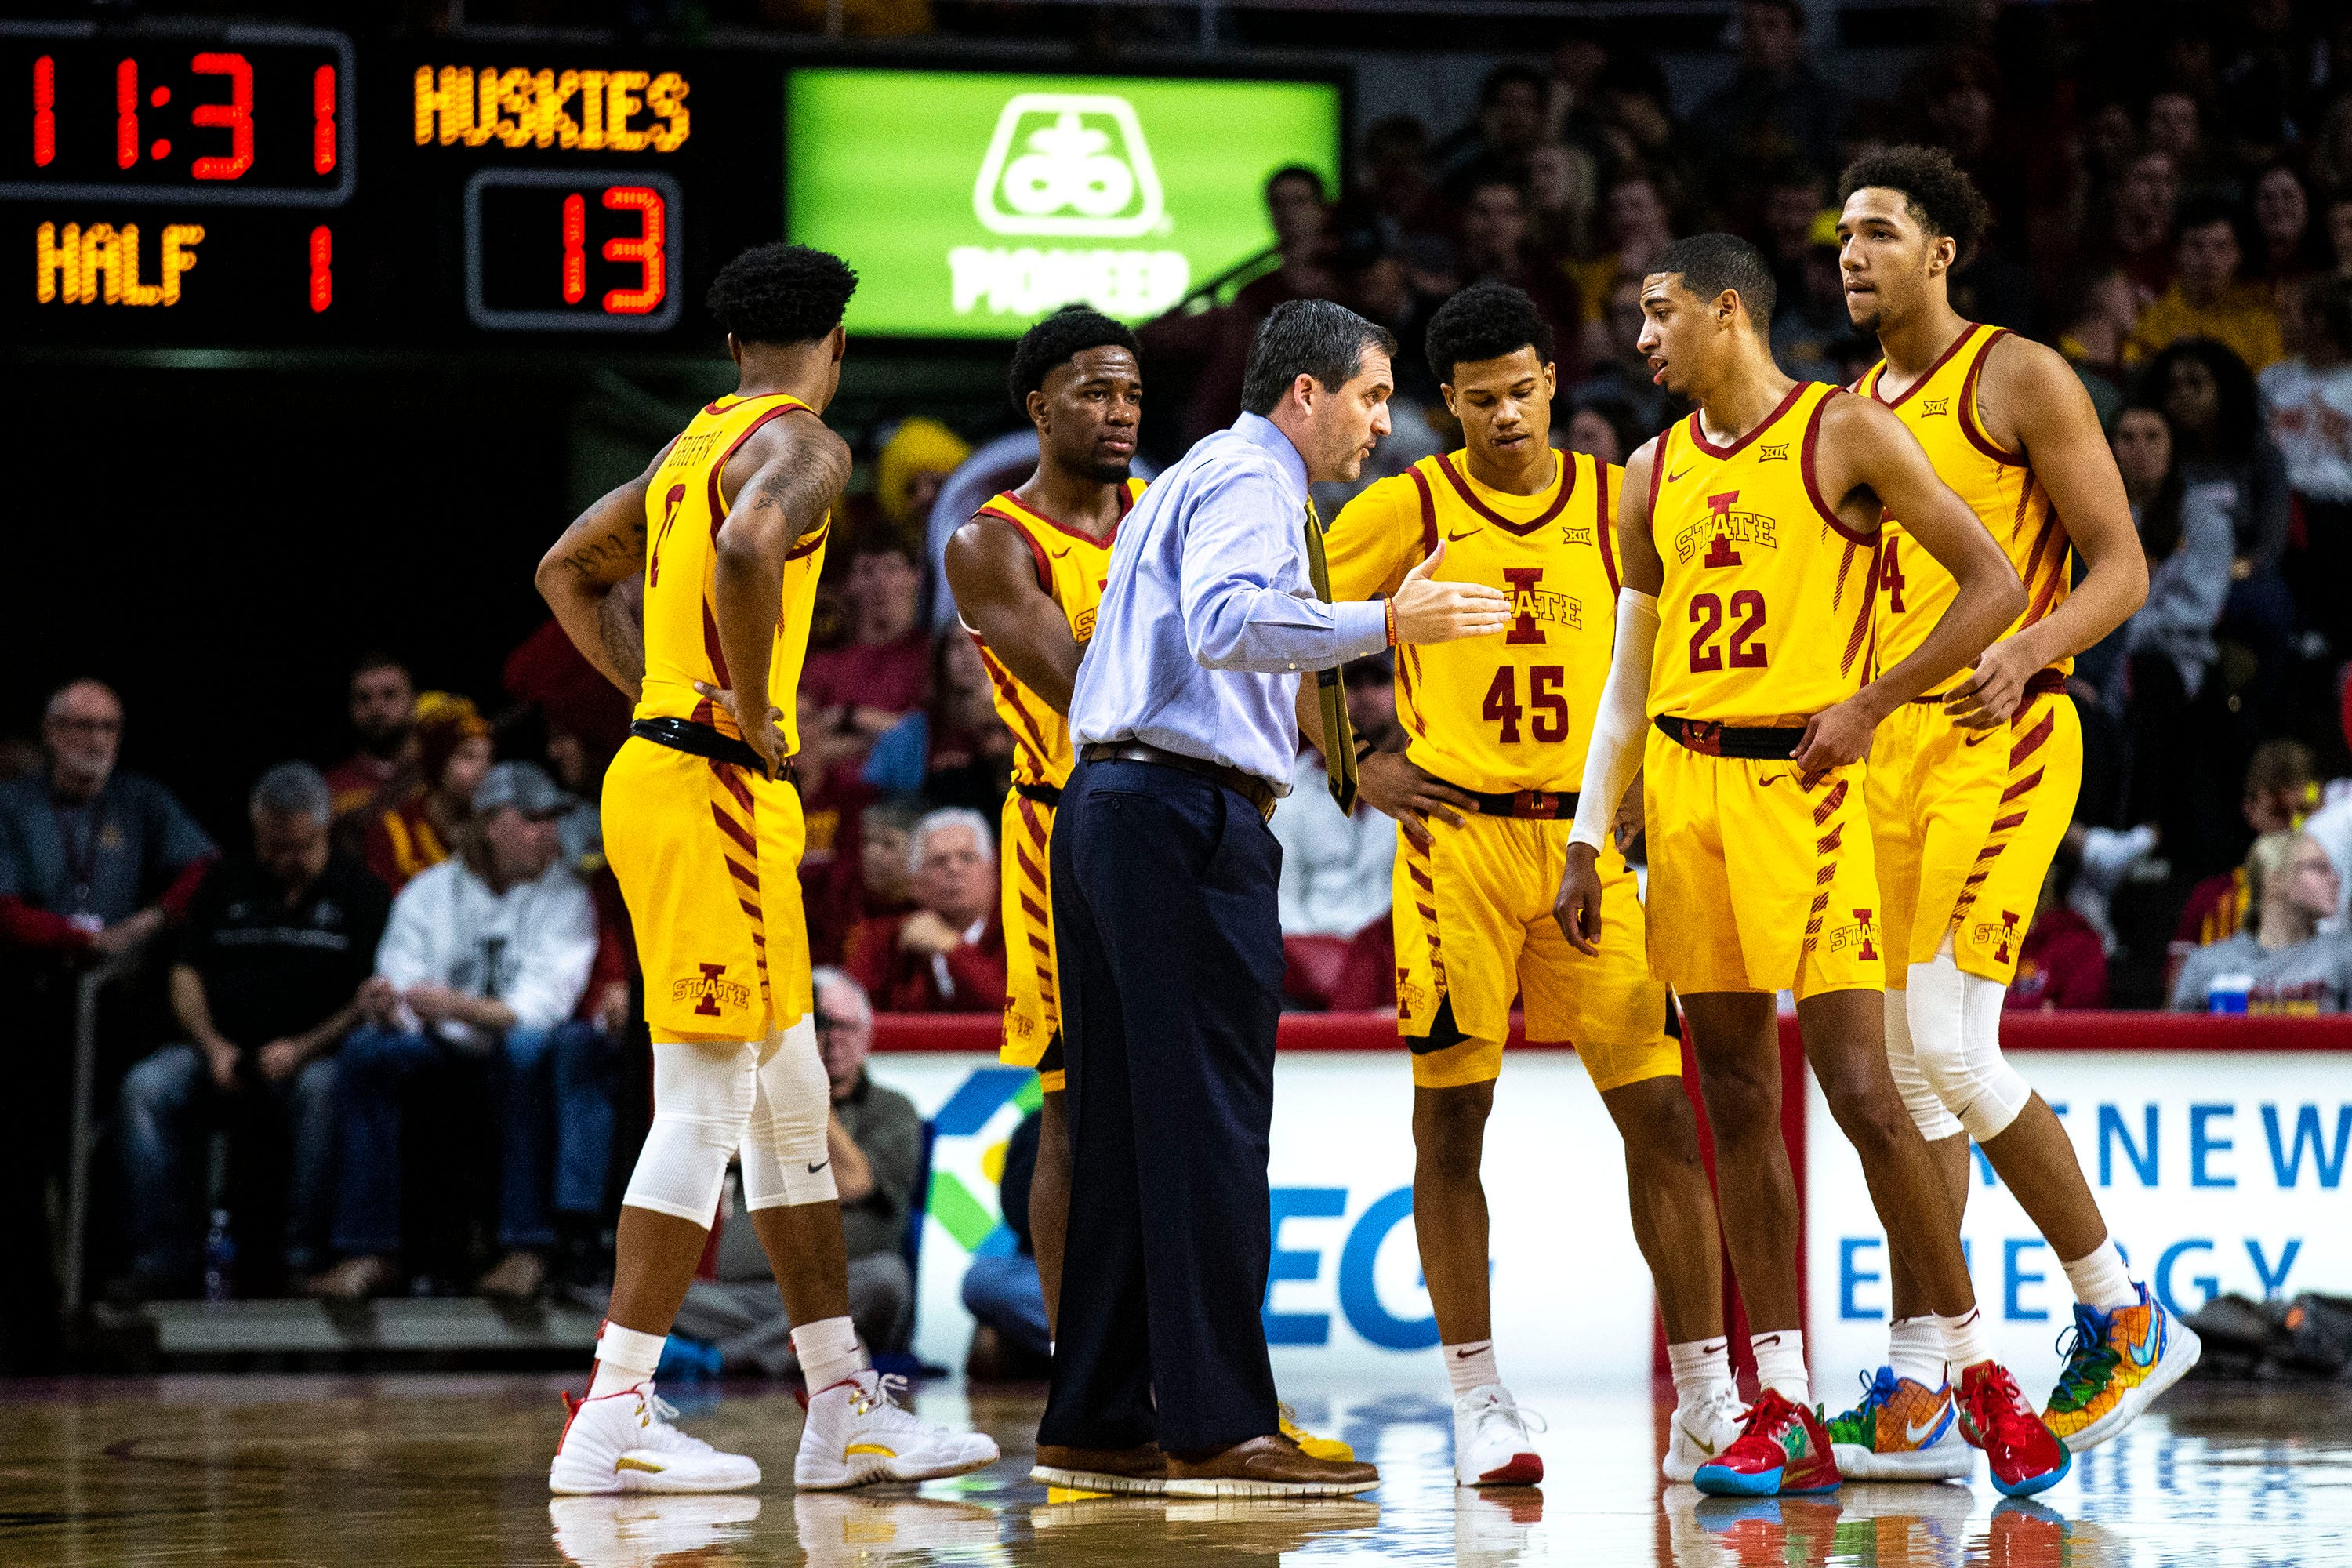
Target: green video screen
(973, 204)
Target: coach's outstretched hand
(1429, 611)
(1577, 906)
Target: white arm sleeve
(1615, 750)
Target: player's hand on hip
(1428, 611)
(1577, 906)
(767, 739)
(1387, 783)
(1833, 738)
(1989, 698)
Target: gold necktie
(1338, 734)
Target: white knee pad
(703, 1094)
(1955, 1038)
(785, 1162)
(1919, 1097)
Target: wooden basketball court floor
(430, 1469)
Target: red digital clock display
(253, 116)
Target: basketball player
(702, 825)
(1027, 572)
(1754, 524)
(1971, 787)
(1483, 794)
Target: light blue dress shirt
(1208, 615)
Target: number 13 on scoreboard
(571, 250)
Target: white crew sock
(829, 1353)
(1966, 1342)
(2100, 1279)
(1780, 1364)
(1701, 1369)
(624, 1358)
(1471, 1366)
(1915, 1349)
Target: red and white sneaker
(2024, 1455)
(623, 1442)
(1783, 1449)
(1493, 1440)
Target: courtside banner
(2218, 1170)
(1346, 1306)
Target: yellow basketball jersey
(1765, 616)
(1940, 408)
(1495, 714)
(1071, 568)
(683, 511)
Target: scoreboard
(273, 185)
(207, 184)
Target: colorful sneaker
(1701, 1432)
(1492, 1445)
(2025, 1455)
(1902, 1431)
(1314, 1447)
(2117, 1364)
(1782, 1451)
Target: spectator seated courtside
(875, 1138)
(1002, 1291)
(405, 834)
(384, 723)
(265, 983)
(2281, 963)
(948, 954)
(484, 960)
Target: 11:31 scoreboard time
(233, 186)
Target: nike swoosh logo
(1458, 537)
(2145, 1349)
(1978, 739)
(819, 1165)
(1057, 554)
(1693, 1438)
(1770, 779)
(1916, 1435)
(1672, 478)
(1463, 1355)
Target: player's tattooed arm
(2033, 404)
(994, 580)
(797, 468)
(1866, 459)
(582, 572)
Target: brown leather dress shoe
(1272, 1465)
(1139, 1471)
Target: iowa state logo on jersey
(1723, 529)
(1532, 602)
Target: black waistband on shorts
(1535, 805)
(2040, 683)
(1754, 742)
(702, 741)
(1046, 795)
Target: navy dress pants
(1170, 958)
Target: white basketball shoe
(1492, 1447)
(1701, 1433)
(623, 1442)
(858, 1432)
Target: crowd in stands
(425, 925)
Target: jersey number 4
(1746, 647)
(1890, 576)
(1548, 719)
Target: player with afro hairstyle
(782, 294)
(1057, 339)
(1937, 192)
(1483, 321)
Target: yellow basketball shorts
(1756, 883)
(1032, 1008)
(1474, 928)
(707, 856)
(1965, 823)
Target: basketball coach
(1171, 956)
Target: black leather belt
(1249, 787)
(1046, 795)
(2040, 683)
(702, 741)
(1754, 742)
(1537, 805)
